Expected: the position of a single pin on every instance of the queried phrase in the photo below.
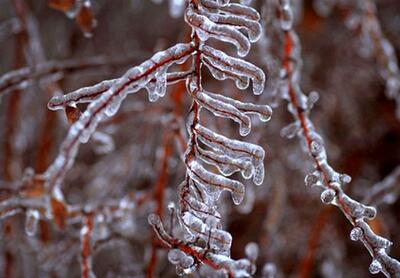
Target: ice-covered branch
(108, 104)
(386, 191)
(312, 143)
(88, 94)
(383, 50)
(51, 70)
(199, 194)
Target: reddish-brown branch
(159, 197)
(288, 46)
(9, 265)
(14, 100)
(306, 265)
(103, 106)
(200, 257)
(86, 248)
(11, 125)
(46, 140)
(300, 114)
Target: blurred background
(296, 233)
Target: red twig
(86, 232)
(306, 265)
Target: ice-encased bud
(369, 212)
(316, 147)
(328, 195)
(251, 251)
(269, 270)
(313, 179)
(171, 207)
(312, 99)
(154, 219)
(356, 233)
(174, 256)
(176, 8)
(375, 267)
(344, 178)
(290, 130)
(286, 19)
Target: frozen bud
(176, 8)
(286, 19)
(126, 203)
(323, 7)
(313, 179)
(316, 147)
(251, 251)
(290, 130)
(375, 267)
(154, 219)
(182, 261)
(312, 99)
(28, 174)
(223, 2)
(56, 103)
(392, 86)
(356, 233)
(269, 270)
(171, 207)
(352, 21)
(31, 222)
(344, 178)
(174, 256)
(101, 230)
(186, 262)
(369, 212)
(328, 195)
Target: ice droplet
(154, 219)
(328, 195)
(251, 251)
(356, 233)
(344, 178)
(370, 212)
(290, 130)
(375, 267)
(286, 19)
(316, 147)
(269, 270)
(313, 179)
(174, 256)
(31, 222)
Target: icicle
(31, 222)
